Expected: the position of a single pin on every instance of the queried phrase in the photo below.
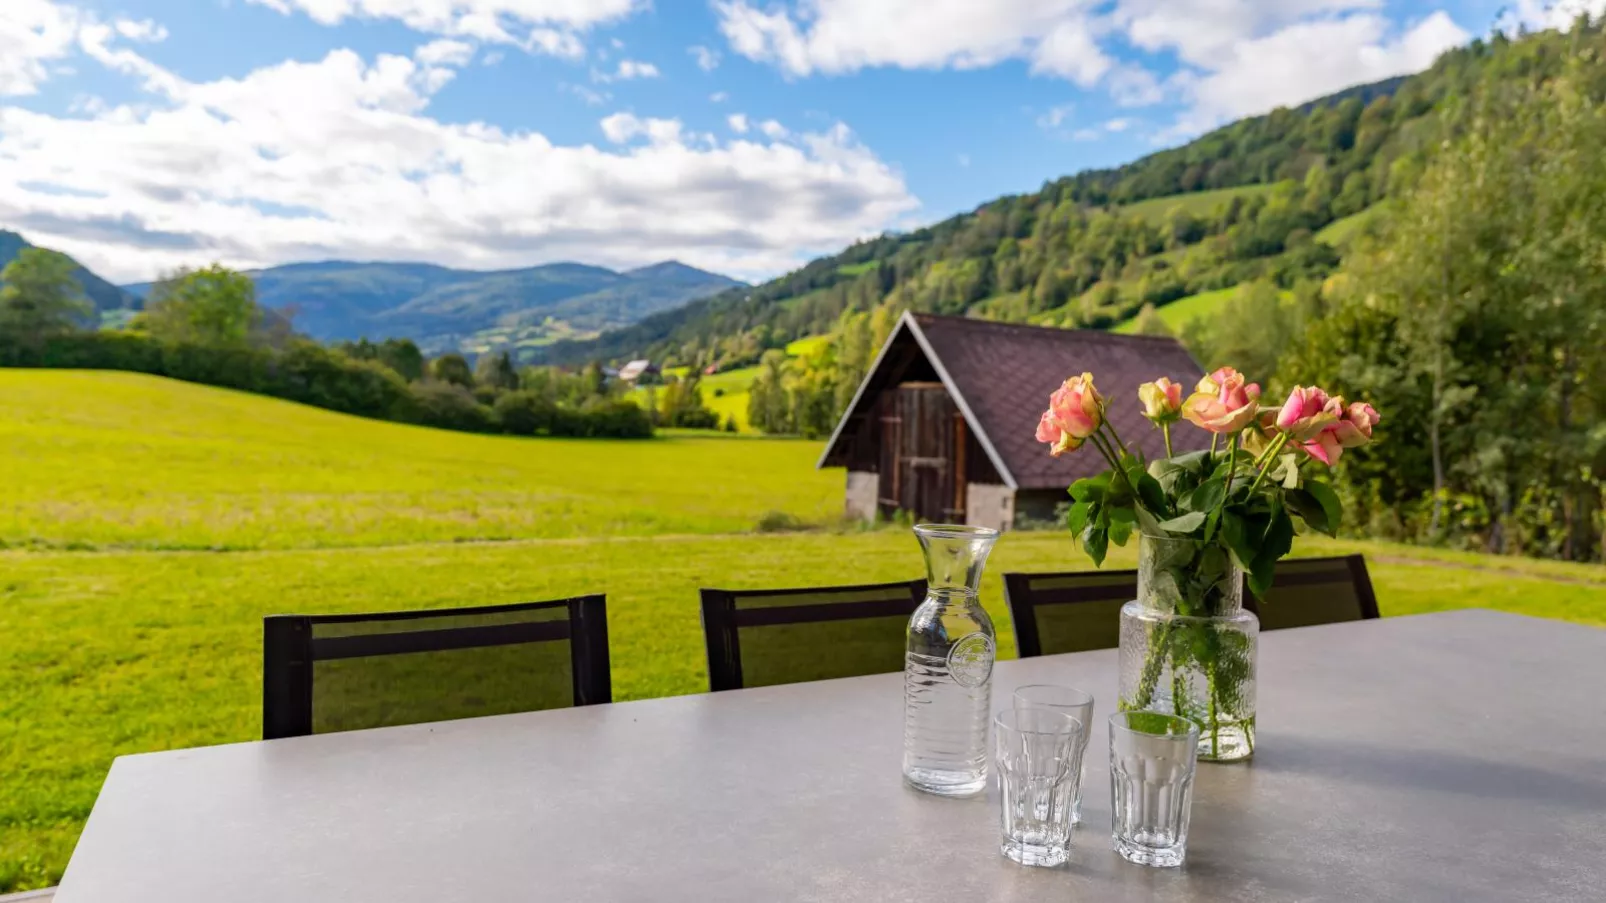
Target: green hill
(108, 299)
(1178, 313)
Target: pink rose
(1162, 400)
(1222, 402)
(1075, 412)
(1307, 412)
(1350, 427)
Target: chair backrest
(1309, 591)
(1074, 611)
(324, 673)
(759, 638)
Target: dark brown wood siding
(924, 448)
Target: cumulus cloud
(737, 122)
(835, 36)
(141, 30)
(33, 34)
(339, 157)
(719, 97)
(629, 69)
(1309, 59)
(1054, 117)
(707, 60)
(548, 26)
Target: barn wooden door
(922, 453)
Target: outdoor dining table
(1453, 756)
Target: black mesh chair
(1310, 591)
(1074, 611)
(759, 638)
(324, 673)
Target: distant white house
(636, 369)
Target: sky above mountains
(742, 136)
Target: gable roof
(1001, 375)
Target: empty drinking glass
(1076, 703)
(1151, 786)
(1038, 766)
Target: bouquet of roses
(1243, 498)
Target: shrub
(525, 413)
(449, 406)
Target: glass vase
(1187, 645)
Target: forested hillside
(1076, 252)
(108, 299)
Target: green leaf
(1207, 497)
(1095, 542)
(1193, 462)
(1123, 515)
(1148, 522)
(1120, 531)
(1076, 520)
(1328, 499)
(1211, 521)
(1090, 488)
(1152, 494)
(1235, 533)
(1277, 541)
(1309, 510)
(1184, 523)
(1290, 471)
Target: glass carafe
(948, 666)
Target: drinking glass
(1076, 703)
(1038, 767)
(1152, 758)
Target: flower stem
(1271, 455)
(1215, 725)
(1214, 438)
(1165, 430)
(1232, 467)
(1117, 436)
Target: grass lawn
(1340, 232)
(1178, 313)
(126, 638)
(1198, 203)
(116, 459)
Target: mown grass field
(1180, 312)
(1198, 203)
(121, 633)
(1340, 232)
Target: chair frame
(1022, 601)
(722, 619)
(1360, 577)
(290, 650)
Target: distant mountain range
(107, 298)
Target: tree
(496, 371)
(40, 296)
(210, 306)
(453, 369)
(1149, 322)
(403, 356)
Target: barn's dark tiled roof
(1004, 373)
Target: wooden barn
(944, 424)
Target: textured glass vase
(1187, 645)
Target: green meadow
(152, 524)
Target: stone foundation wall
(989, 505)
(861, 495)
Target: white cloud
(1134, 86)
(141, 30)
(1117, 125)
(33, 33)
(737, 122)
(591, 96)
(445, 52)
(629, 69)
(1053, 117)
(339, 158)
(719, 97)
(707, 60)
(1538, 14)
(1307, 60)
(1201, 30)
(835, 36)
(548, 26)
(773, 129)
(1086, 135)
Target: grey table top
(1456, 756)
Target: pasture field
(1178, 313)
(94, 460)
(1198, 203)
(130, 619)
(1340, 232)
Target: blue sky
(741, 135)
